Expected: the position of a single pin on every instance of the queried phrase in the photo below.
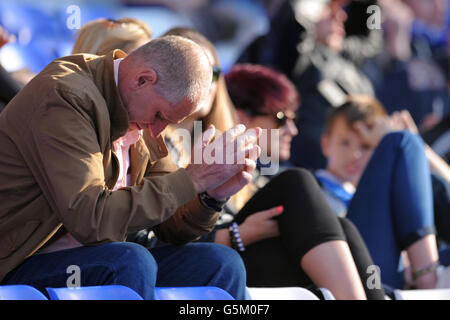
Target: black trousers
(307, 221)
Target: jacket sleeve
(190, 220)
(65, 157)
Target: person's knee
(227, 270)
(134, 259)
(402, 139)
(297, 176)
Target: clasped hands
(234, 153)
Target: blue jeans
(132, 265)
(393, 205)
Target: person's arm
(64, 155)
(256, 227)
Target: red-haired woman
(306, 243)
(284, 229)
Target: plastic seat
(327, 295)
(191, 293)
(284, 293)
(110, 292)
(15, 17)
(20, 292)
(432, 294)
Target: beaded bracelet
(236, 241)
(428, 269)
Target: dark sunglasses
(216, 73)
(280, 117)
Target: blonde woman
(103, 35)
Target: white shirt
(122, 145)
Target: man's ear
(145, 77)
(324, 143)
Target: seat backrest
(20, 292)
(107, 292)
(282, 293)
(432, 294)
(327, 295)
(191, 293)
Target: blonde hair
(103, 35)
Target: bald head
(182, 68)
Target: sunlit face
(347, 153)
(330, 29)
(149, 110)
(147, 107)
(286, 133)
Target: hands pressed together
(227, 161)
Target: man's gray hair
(180, 66)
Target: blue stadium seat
(20, 292)
(191, 293)
(15, 17)
(118, 292)
(109, 292)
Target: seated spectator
(61, 196)
(404, 75)
(290, 23)
(379, 178)
(324, 77)
(262, 98)
(288, 234)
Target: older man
(83, 164)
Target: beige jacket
(57, 167)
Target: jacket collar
(103, 72)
